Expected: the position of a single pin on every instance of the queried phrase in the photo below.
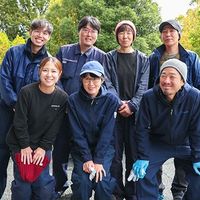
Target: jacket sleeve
(194, 131)
(106, 132)
(8, 93)
(143, 129)
(78, 133)
(142, 83)
(195, 67)
(108, 74)
(21, 120)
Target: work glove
(92, 173)
(140, 167)
(196, 167)
(132, 176)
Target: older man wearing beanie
(171, 48)
(128, 73)
(168, 127)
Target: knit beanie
(125, 22)
(180, 66)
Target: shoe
(161, 197)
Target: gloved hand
(196, 167)
(140, 167)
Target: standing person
(39, 112)
(73, 57)
(171, 48)
(127, 72)
(168, 127)
(92, 113)
(19, 68)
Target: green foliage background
(16, 16)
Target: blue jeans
(147, 188)
(42, 188)
(6, 119)
(82, 187)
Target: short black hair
(93, 21)
(42, 23)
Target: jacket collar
(179, 97)
(83, 94)
(78, 50)
(32, 56)
(161, 49)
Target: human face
(169, 36)
(125, 38)
(87, 36)
(39, 37)
(49, 75)
(92, 85)
(170, 82)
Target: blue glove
(196, 167)
(140, 167)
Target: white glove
(92, 173)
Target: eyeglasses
(88, 30)
(94, 80)
(128, 33)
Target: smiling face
(91, 84)
(39, 37)
(49, 75)
(170, 82)
(170, 36)
(87, 37)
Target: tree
(5, 43)
(16, 15)
(66, 14)
(191, 29)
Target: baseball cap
(93, 67)
(174, 23)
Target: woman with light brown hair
(39, 112)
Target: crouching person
(92, 113)
(39, 112)
(168, 127)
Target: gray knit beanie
(180, 66)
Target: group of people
(98, 107)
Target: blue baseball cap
(93, 67)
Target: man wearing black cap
(171, 48)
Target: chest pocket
(69, 68)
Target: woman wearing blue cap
(92, 113)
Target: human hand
(100, 172)
(87, 166)
(140, 167)
(196, 167)
(26, 155)
(38, 156)
(124, 109)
